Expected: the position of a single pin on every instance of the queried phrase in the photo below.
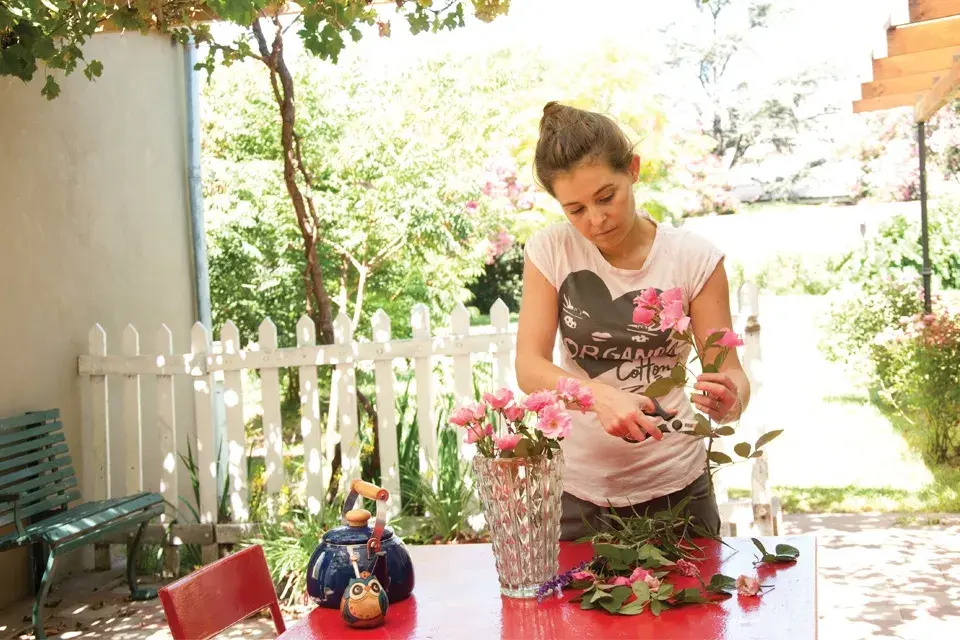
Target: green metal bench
(37, 484)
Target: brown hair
(571, 138)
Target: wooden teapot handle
(370, 491)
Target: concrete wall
(93, 228)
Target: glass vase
(521, 504)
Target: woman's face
(599, 201)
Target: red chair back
(219, 595)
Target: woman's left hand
(718, 397)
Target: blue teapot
(354, 547)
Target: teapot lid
(356, 531)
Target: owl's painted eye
(375, 587)
(356, 590)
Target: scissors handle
(669, 425)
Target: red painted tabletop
(457, 596)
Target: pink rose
(748, 586)
(470, 412)
(508, 442)
(620, 581)
(472, 206)
(638, 574)
(579, 576)
(554, 422)
(671, 295)
(730, 340)
(687, 568)
(568, 388)
(538, 400)
(514, 413)
(476, 432)
(585, 399)
(643, 316)
(498, 400)
(672, 317)
(652, 582)
(648, 298)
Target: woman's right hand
(621, 413)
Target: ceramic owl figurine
(364, 603)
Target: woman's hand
(621, 413)
(719, 397)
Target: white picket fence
(218, 400)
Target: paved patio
(878, 579)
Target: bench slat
(93, 520)
(36, 456)
(16, 435)
(82, 512)
(33, 471)
(12, 453)
(40, 507)
(36, 417)
(37, 496)
(124, 523)
(39, 482)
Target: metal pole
(924, 234)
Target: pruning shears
(669, 424)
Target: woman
(582, 277)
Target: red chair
(219, 595)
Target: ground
(879, 578)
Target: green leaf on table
(600, 595)
(632, 608)
(679, 375)
(725, 430)
(759, 545)
(720, 583)
(586, 603)
(616, 553)
(720, 457)
(617, 596)
(660, 387)
(690, 596)
(767, 437)
(742, 449)
(641, 590)
(655, 607)
(657, 558)
(581, 584)
(785, 550)
(665, 591)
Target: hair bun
(551, 108)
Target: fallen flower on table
(687, 568)
(747, 586)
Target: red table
(457, 596)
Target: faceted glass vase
(521, 504)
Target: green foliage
(52, 33)
(782, 552)
(503, 279)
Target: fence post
(206, 438)
(236, 447)
(462, 371)
(423, 372)
(167, 430)
(272, 427)
(310, 420)
(97, 456)
(347, 393)
(503, 363)
(132, 426)
(385, 380)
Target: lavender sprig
(556, 584)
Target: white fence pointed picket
(310, 420)
(503, 375)
(423, 371)
(386, 413)
(272, 425)
(236, 445)
(462, 371)
(206, 434)
(97, 456)
(347, 392)
(132, 424)
(167, 428)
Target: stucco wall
(93, 228)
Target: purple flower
(555, 585)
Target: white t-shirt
(598, 341)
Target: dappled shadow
(877, 580)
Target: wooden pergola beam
(921, 10)
(943, 91)
(902, 84)
(891, 101)
(914, 63)
(923, 36)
